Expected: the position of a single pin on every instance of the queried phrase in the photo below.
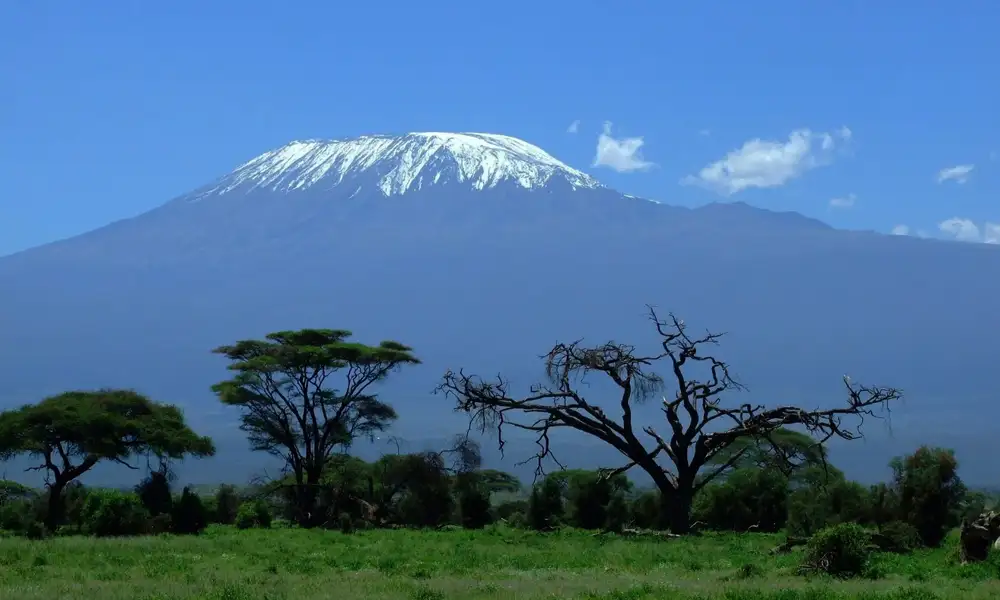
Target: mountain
(481, 251)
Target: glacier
(400, 164)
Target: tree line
(305, 396)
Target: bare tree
(678, 458)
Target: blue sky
(110, 109)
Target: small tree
(154, 491)
(189, 515)
(227, 503)
(283, 384)
(545, 505)
(72, 432)
(929, 491)
(680, 458)
(473, 500)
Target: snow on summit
(397, 164)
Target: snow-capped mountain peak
(398, 164)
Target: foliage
(749, 497)
(473, 501)
(899, 537)
(644, 509)
(840, 550)
(545, 505)
(588, 494)
(108, 512)
(73, 431)
(227, 503)
(253, 514)
(929, 491)
(825, 497)
(693, 448)
(189, 514)
(616, 514)
(154, 491)
(290, 408)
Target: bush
(253, 514)
(474, 508)
(898, 537)
(114, 513)
(189, 515)
(227, 503)
(617, 514)
(930, 492)
(346, 523)
(841, 550)
(154, 492)
(16, 515)
(36, 531)
(545, 505)
(510, 509)
(161, 523)
(748, 497)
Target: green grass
(226, 564)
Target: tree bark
(676, 510)
(56, 506)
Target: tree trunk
(676, 509)
(56, 508)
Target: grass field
(227, 564)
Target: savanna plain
(496, 562)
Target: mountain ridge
(400, 163)
(488, 279)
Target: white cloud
(768, 163)
(843, 202)
(958, 174)
(573, 127)
(622, 155)
(991, 233)
(900, 230)
(705, 132)
(965, 230)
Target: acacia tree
(679, 458)
(73, 431)
(284, 386)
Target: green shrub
(114, 513)
(161, 523)
(189, 514)
(253, 514)
(507, 510)
(841, 550)
(154, 492)
(16, 515)
(346, 523)
(36, 531)
(898, 537)
(227, 503)
(617, 513)
(474, 508)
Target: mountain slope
(486, 269)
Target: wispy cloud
(623, 155)
(769, 163)
(965, 230)
(900, 230)
(705, 132)
(573, 127)
(844, 201)
(958, 174)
